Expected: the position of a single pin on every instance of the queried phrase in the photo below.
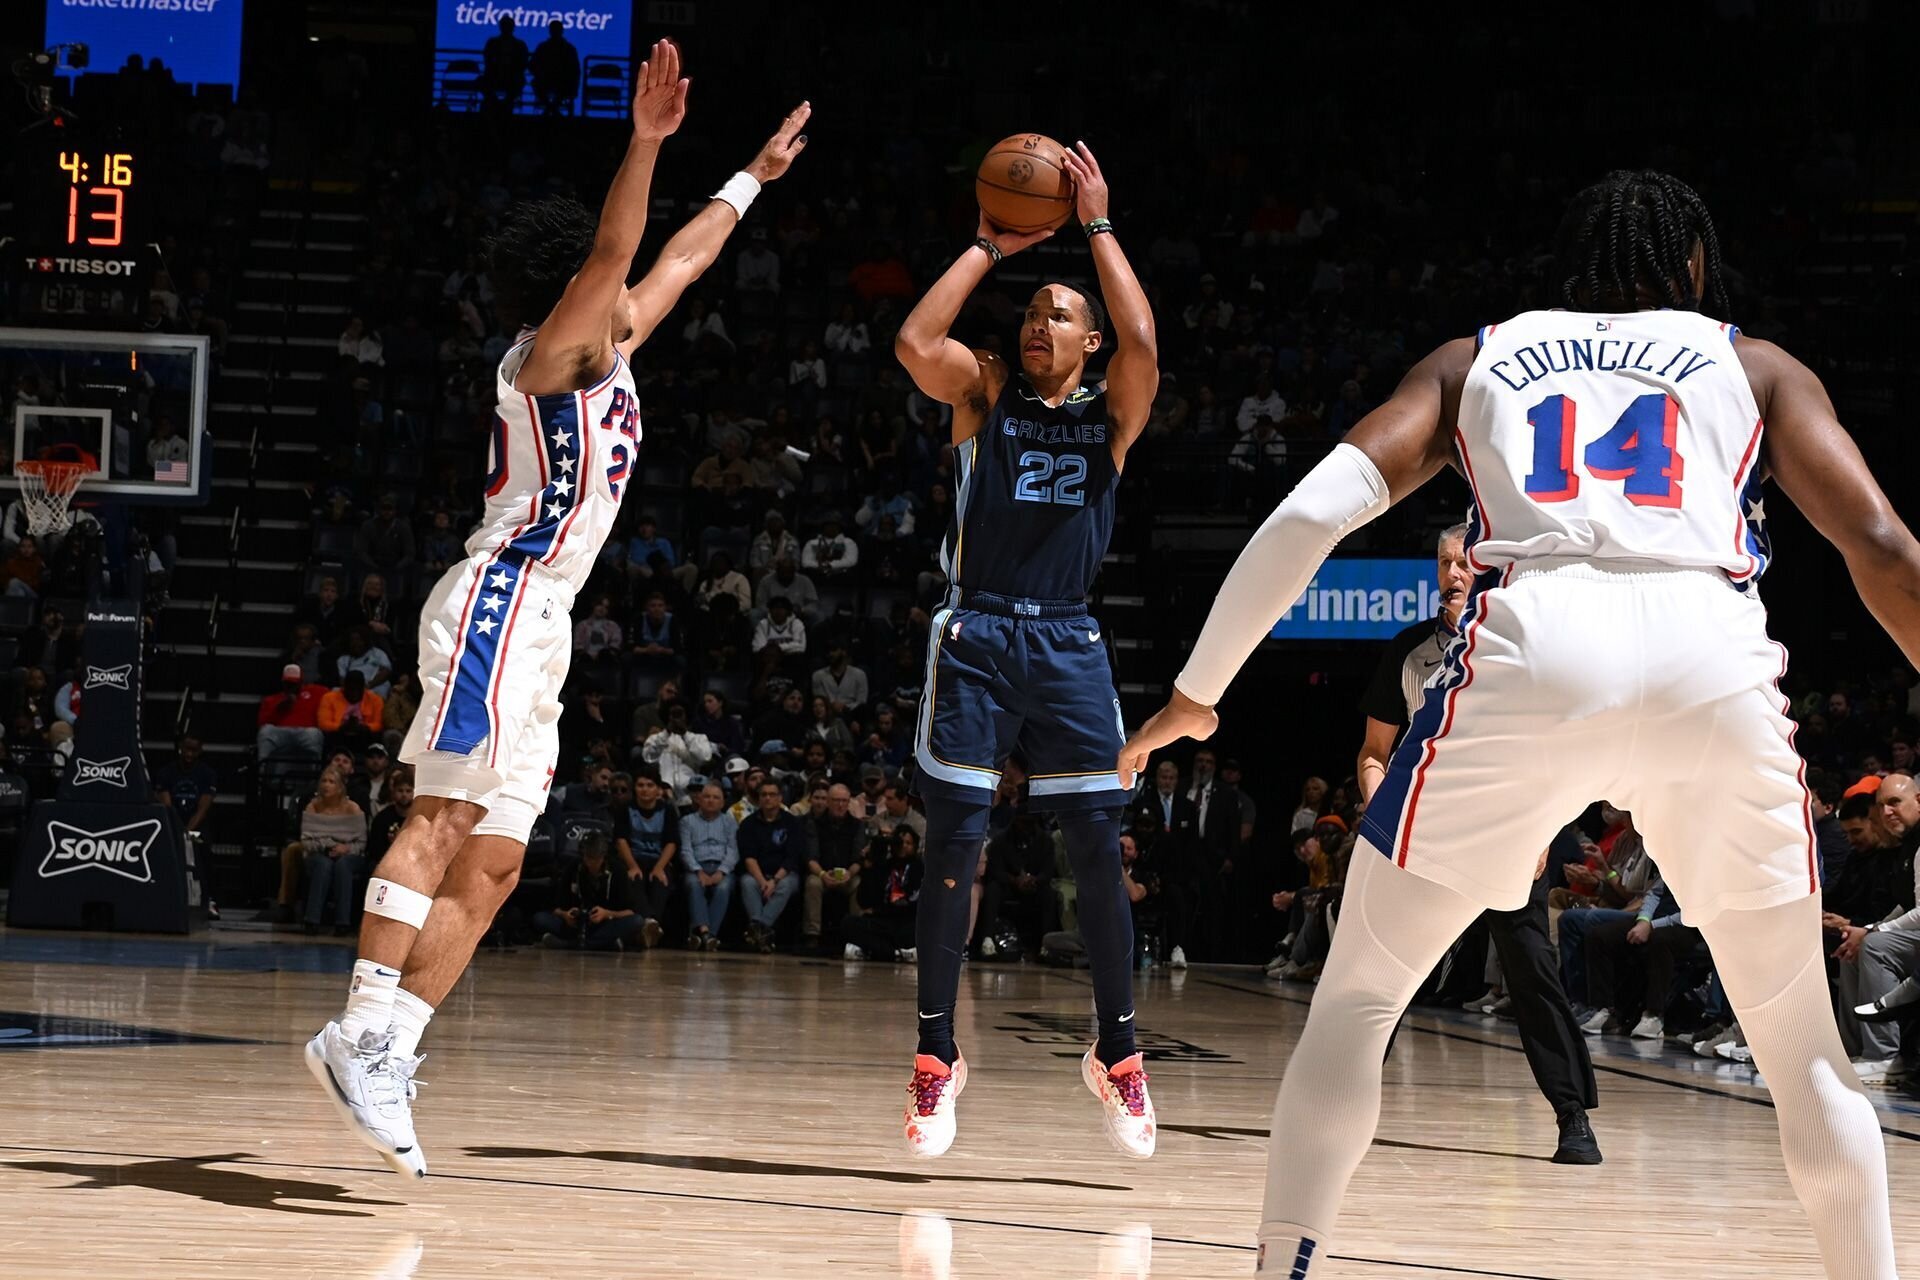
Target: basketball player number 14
(1638, 449)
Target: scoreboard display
(83, 227)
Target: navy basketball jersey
(1033, 507)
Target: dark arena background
(246, 295)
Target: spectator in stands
(786, 723)
(593, 909)
(597, 635)
(333, 841)
(655, 636)
(678, 753)
(1875, 953)
(773, 849)
(646, 543)
(834, 850)
(727, 460)
(392, 816)
(555, 65)
(1020, 869)
(305, 651)
(189, 785)
(826, 727)
(779, 640)
(352, 715)
(1262, 402)
(593, 793)
(884, 929)
(720, 726)
(722, 578)
(289, 720)
(50, 645)
(646, 835)
(440, 546)
(787, 580)
(894, 811)
(376, 766)
(384, 545)
(709, 853)
(372, 664)
(772, 544)
(831, 554)
(402, 705)
(757, 269)
(1657, 939)
(504, 62)
(1612, 884)
(1165, 813)
(649, 717)
(325, 612)
(1313, 802)
(22, 572)
(842, 684)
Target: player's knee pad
(397, 902)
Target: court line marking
(763, 1203)
(1608, 1067)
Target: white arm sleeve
(1344, 492)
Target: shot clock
(83, 227)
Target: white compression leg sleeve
(1338, 496)
(1394, 927)
(1770, 964)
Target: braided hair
(1630, 237)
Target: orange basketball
(1022, 185)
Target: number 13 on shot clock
(98, 184)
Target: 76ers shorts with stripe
(1026, 678)
(495, 643)
(1573, 681)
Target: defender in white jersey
(1612, 644)
(495, 637)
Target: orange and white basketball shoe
(1124, 1103)
(931, 1122)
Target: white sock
(369, 999)
(411, 1015)
(1286, 1250)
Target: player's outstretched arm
(694, 247)
(951, 372)
(574, 339)
(1817, 465)
(1388, 454)
(1133, 374)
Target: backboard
(135, 401)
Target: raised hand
(1090, 184)
(786, 143)
(659, 93)
(1009, 242)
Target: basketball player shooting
(1616, 454)
(1015, 664)
(495, 637)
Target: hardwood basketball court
(731, 1116)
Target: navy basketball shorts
(1025, 679)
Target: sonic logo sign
(113, 772)
(121, 851)
(120, 677)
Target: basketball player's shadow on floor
(1221, 1133)
(771, 1169)
(191, 1176)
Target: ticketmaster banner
(1362, 600)
(595, 28)
(198, 40)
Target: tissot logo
(89, 771)
(81, 266)
(122, 851)
(120, 677)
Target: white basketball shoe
(372, 1088)
(1124, 1103)
(931, 1122)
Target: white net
(47, 489)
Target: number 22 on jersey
(1639, 449)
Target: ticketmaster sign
(1362, 600)
(199, 40)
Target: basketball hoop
(47, 489)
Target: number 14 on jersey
(1639, 449)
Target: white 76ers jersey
(557, 470)
(1613, 437)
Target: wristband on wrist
(1643, 919)
(1099, 226)
(739, 191)
(993, 250)
(1613, 875)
